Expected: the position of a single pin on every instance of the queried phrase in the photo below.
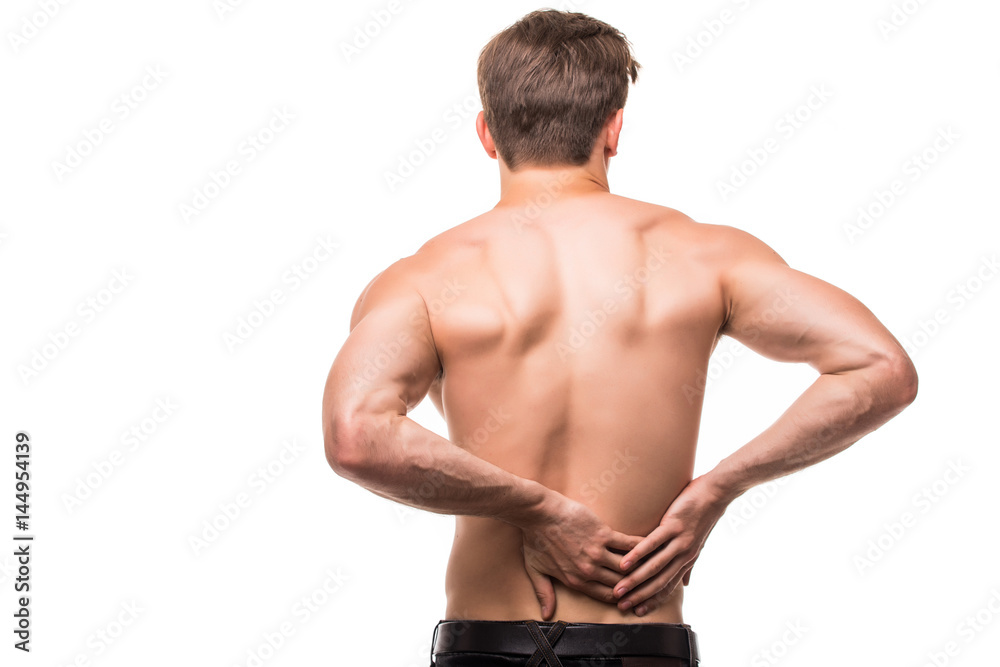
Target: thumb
(687, 576)
(544, 591)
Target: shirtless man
(563, 334)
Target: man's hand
(572, 544)
(672, 547)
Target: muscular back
(572, 345)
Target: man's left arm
(385, 369)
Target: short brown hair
(549, 82)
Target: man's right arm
(865, 379)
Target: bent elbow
(341, 438)
(900, 380)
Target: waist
(570, 640)
(486, 580)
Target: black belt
(544, 640)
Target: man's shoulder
(462, 246)
(732, 245)
(410, 275)
(705, 240)
(453, 244)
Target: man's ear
(612, 129)
(484, 136)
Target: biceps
(790, 316)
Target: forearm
(398, 459)
(832, 414)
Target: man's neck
(540, 185)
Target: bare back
(573, 341)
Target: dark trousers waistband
(585, 640)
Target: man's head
(549, 84)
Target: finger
(687, 576)
(612, 561)
(544, 591)
(648, 568)
(653, 602)
(623, 541)
(660, 597)
(606, 576)
(659, 586)
(653, 581)
(648, 545)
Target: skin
(570, 456)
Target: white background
(793, 556)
